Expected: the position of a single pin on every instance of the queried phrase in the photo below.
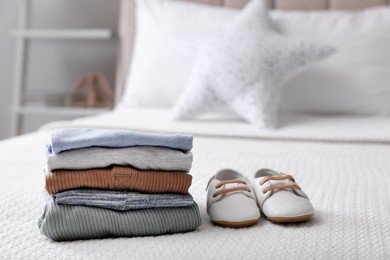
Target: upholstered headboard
(126, 25)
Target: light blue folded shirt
(77, 138)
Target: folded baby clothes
(140, 157)
(76, 138)
(121, 200)
(119, 178)
(116, 183)
(63, 222)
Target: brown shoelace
(221, 192)
(279, 187)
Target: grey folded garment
(63, 222)
(122, 200)
(140, 157)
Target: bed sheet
(345, 173)
(293, 127)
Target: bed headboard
(126, 24)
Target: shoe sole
(246, 223)
(293, 219)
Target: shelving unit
(60, 111)
(64, 34)
(23, 34)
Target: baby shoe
(231, 201)
(280, 198)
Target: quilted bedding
(343, 164)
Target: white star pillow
(245, 67)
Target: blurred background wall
(55, 65)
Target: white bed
(342, 163)
(344, 169)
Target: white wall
(55, 65)
(7, 20)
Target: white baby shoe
(280, 198)
(231, 201)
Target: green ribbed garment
(63, 222)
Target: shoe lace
(279, 187)
(224, 191)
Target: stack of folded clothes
(116, 183)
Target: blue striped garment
(122, 200)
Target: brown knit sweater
(119, 178)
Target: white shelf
(60, 111)
(23, 34)
(64, 34)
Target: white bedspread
(345, 170)
(293, 127)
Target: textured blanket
(120, 200)
(62, 222)
(69, 139)
(344, 169)
(119, 178)
(140, 157)
(296, 127)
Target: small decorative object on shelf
(92, 90)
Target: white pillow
(244, 67)
(161, 64)
(353, 81)
(356, 80)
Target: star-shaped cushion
(245, 67)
